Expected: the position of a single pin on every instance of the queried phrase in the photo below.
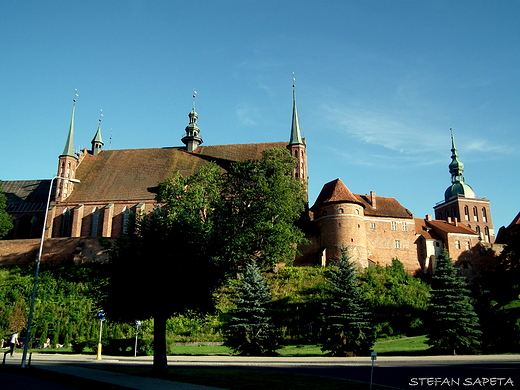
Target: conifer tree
(250, 330)
(347, 328)
(452, 322)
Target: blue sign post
(101, 317)
(137, 325)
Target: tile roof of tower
(337, 192)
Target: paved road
(399, 372)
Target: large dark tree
(208, 224)
(250, 330)
(166, 263)
(5, 219)
(452, 322)
(347, 328)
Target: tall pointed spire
(69, 145)
(97, 141)
(296, 137)
(458, 186)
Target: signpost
(373, 357)
(137, 325)
(101, 316)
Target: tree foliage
(347, 327)
(262, 201)
(452, 322)
(398, 300)
(250, 330)
(5, 219)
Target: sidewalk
(65, 364)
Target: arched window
(477, 229)
(475, 214)
(457, 244)
(126, 215)
(65, 223)
(341, 211)
(486, 234)
(95, 222)
(484, 214)
(466, 213)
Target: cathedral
(94, 192)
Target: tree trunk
(160, 362)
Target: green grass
(402, 347)
(405, 346)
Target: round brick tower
(339, 220)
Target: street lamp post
(37, 271)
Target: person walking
(13, 342)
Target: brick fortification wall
(55, 250)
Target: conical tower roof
(296, 136)
(335, 192)
(68, 151)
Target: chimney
(429, 217)
(373, 199)
(448, 219)
(455, 221)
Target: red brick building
(376, 229)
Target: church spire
(69, 145)
(296, 144)
(192, 139)
(97, 141)
(458, 186)
(296, 137)
(456, 166)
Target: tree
(250, 330)
(205, 226)
(5, 219)
(452, 322)
(167, 262)
(398, 300)
(262, 202)
(347, 328)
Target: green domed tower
(460, 203)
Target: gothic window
(484, 214)
(475, 214)
(65, 223)
(357, 211)
(486, 234)
(126, 215)
(466, 213)
(95, 222)
(477, 229)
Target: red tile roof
(133, 174)
(336, 191)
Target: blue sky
(379, 85)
